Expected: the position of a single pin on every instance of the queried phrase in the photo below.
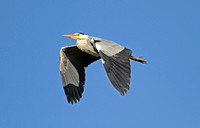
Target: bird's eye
(76, 34)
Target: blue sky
(163, 94)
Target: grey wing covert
(72, 69)
(116, 60)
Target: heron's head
(78, 36)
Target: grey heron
(74, 59)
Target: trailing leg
(138, 59)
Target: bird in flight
(74, 60)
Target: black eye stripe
(81, 33)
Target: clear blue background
(165, 93)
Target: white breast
(86, 46)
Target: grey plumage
(74, 59)
(118, 69)
(72, 69)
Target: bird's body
(85, 45)
(74, 59)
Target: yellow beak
(71, 35)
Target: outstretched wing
(72, 63)
(116, 62)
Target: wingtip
(73, 93)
